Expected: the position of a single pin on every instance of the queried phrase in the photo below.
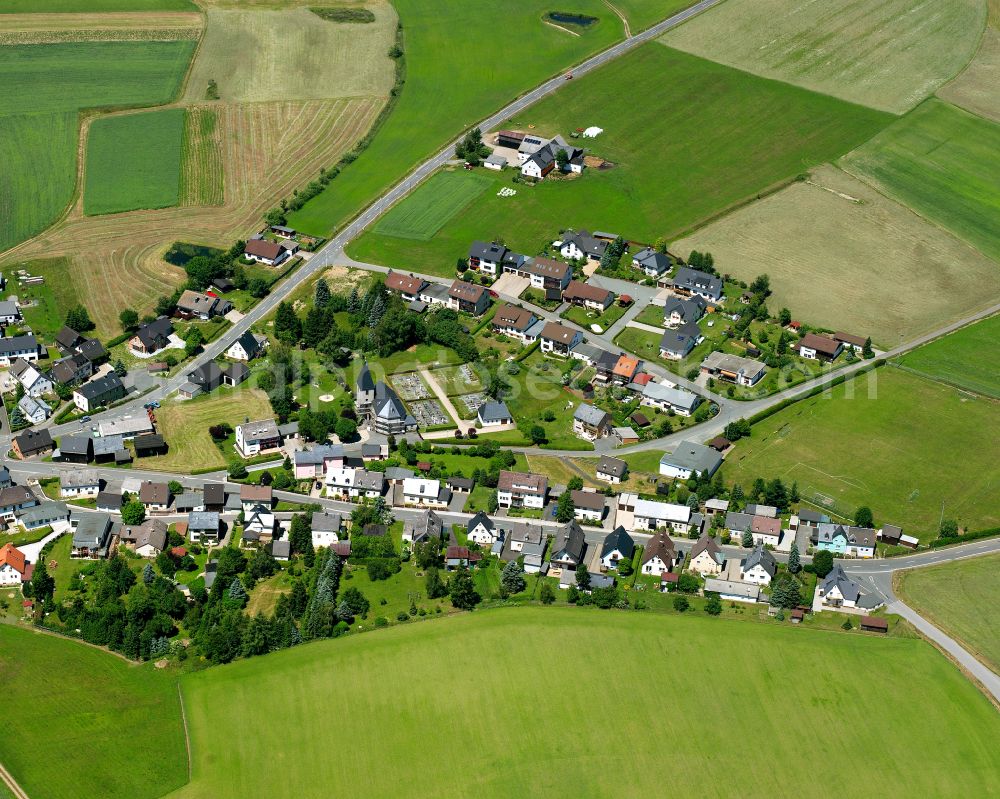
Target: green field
(87, 723)
(963, 599)
(705, 138)
(969, 358)
(941, 162)
(887, 54)
(425, 212)
(91, 6)
(393, 704)
(38, 115)
(134, 161)
(909, 448)
(461, 68)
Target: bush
(402, 616)
(681, 603)
(381, 621)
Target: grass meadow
(88, 723)
(941, 162)
(962, 598)
(134, 161)
(911, 449)
(705, 138)
(817, 241)
(484, 685)
(428, 209)
(40, 153)
(887, 54)
(969, 358)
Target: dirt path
(442, 397)
(184, 722)
(621, 16)
(560, 27)
(7, 779)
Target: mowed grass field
(87, 723)
(38, 146)
(975, 88)
(941, 162)
(817, 241)
(704, 138)
(134, 161)
(963, 598)
(202, 178)
(424, 213)
(511, 733)
(969, 358)
(185, 424)
(908, 447)
(258, 55)
(887, 54)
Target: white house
(247, 347)
(522, 490)
(759, 568)
(732, 590)
(9, 312)
(34, 380)
(425, 493)
(558, 339)
(25, 347)
(34, 409)
(13, 566)
(666, 398)
(688, 458)
(588, 505)
(252, 438)
(325, 529)
(80, 483)
(706, 556)
(659, 555)
(481, 530)
(354, 483)
(618, 545)
(644, 515)
(611, 470)
(651, 262)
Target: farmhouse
(591, 423)
(195, 305)
(247, 347)
(568, 547)
(468, 298)
(32, 442)
(733, 368)
(558, 339)
(588, 505)
(691, 282)
(267, 252)
(513, 321)
(538, 160)
(643, 515)
(858, 542)
(99, 392)
(589, 296)
(34, 380)
(494, 413)
(25, 347)
(92, 535)
(611, 470)
(618, 545)
(659, 555)
(14, 568)
(152, 336)
(680, 310)
(651, 262)
(689, 457)
(521, 490)
(485, 257)
(818, 348)
(706, 556)
(675, 345)
(582, 245)
(252, 438)
(666, 398)
(35, 410)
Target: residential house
(428, 526)
(651, 262)
(147, 540)
(818, 348)
(543, 273)
(691, 282)
(667, 398)
(203, 526)
(558, 339)
(428, 493)
(25, 347)
(253, 495)
(582, 245)
(31, 443)
(513, 321)
(152, 336)
(611, 470)
(326, 529)
(856, 343)
(67, 339)
(857, 542)
(568, 547)
(481, 530)
(409, 287)
(14, 568)
(128, 426)
(72, 369)
(706, 556)
(683, 310)
(99, 392)
(521, 490)
(196, 305)
(675, 345)
(837, 590)
(733, 590)
(592, 297)
(281, 549)
(5, 479)
(643, 515)
(35, 410)
(456, 557)
(468, 298)
(92, 535)
(44, 514)
(759, 567)
(313, 463)
(733, 368)
(79, 483)
(487, 257)
(247, 347)
(494, 413)
(155, 497)
(618, 545)
(544, 159)
(764, 529)
(591, 423)
(253, 438)
(9, 312)
(659, 555)
(588, 505)
(34, 380)
(354, 483)
(14, 499)
(689, 458)
(625, 370)
(269, 253)
(109, 502)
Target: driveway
(510, 285)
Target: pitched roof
(255, 493)
(627, 366)
(761, 557)
(548, 267)
(837, 578)
(850, 338)
(100, 387)
(469, 292)
(13, 557)
(570, 542)
(403, 283)
(618, 540)
(589, 415)
(263, 248)
(613, 466)
(558, 332)
(578, 290)
(33, 441)
(693, 456)
(660, 546)
(681, 339)
(494, 411)
(822, 344)
(365, 380)
(154, 493)
(724, 362)
(693, 279)
(707, 544)
(523, 482)
(589, 500)
(513, 316)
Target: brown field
(268, 149)
(976, 90)
(202, 174)
(120, 26)
(843, 256)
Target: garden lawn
(89, 724)
(969, 358)
(134, 161)
(705, 138)
(308, 701)
(910, 448)
(963, 599)
(422, 214)
(941, 162)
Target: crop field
(333, 704)
(268, 149)
(909, 448)
(90, 6)
(90, 723)
(963, 599)
(38, 148)
(428, 209)
(292, 54)
(886, 54)
(447, 44)
(975, 89)
(124, 26)
(185, 424)
(817, 241)
(706, 137)
(134, 161)
(969, 358)
(941, 162)
(201, 167)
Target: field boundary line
(943, 381)
(621, 16)
(8, 779)
(972, 58)
(558, 27)
(184, 724)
